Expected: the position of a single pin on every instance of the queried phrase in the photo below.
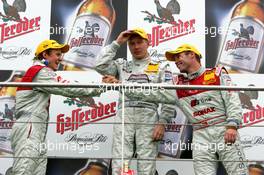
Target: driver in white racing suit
(32, 109)
(215, 115)
(143, 126)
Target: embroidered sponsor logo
(138, 78)
(196, 102)
(204, 111)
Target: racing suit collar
(196, 74)
(38, 62)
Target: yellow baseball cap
(51, 44)
(141, 32)
(185, 47)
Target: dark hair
(40, 56)
(257, 166)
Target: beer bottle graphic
(90, 32)
(7, 108)
(242, 49)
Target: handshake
(110, 79)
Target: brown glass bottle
(90, 32)
(242, 49)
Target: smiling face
(184, 61)
(138, 47)
(54, 57)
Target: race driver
(215, 115)
(143, 125)
(32, 109)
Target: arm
(167, 110)
(154, 96)
(233, 109)
(167, 113)
(231, 101)
(47, 75)
(105, 63)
